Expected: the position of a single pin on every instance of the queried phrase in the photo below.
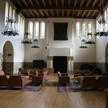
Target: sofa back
(3, 80)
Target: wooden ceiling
(59, 8)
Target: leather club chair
(24, 72)
(78, 72)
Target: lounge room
(54, 53)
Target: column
(1, 61)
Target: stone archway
(106, 58)
(8, 57)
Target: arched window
(23, 27)
(36, 30)
(19, 24)
(10, 11)
(6, 11)
(84, 29)
(105, 15)
(89, 27)
(13, 16)
(30, 29)
(42, 30)
(78, 29)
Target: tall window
(23, 27)
(36, 30)
(78, 29)
(30, 29)
(10, 11)
(89, 27)
(105, 15)
(42, 30)
(19, 24)
(6, 11)
(84, 29)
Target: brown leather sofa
(32, 72)
(102, 82)
(40, 79)
(24, 72)
(63, 78)
(5, 73)
(37, 69)
(79, 72)
(45, 69)
(4, 81)
(88, 82)
(15, 81)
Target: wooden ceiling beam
(62, 13)
(93, 14)
(50, 3)
(47, 13)
(19, 3)
(83, 14)
(42, 13)
(27, 13)
(37, 2)
(68, 13)
(78, 14)
(62, 3)
(87, 3)
(69, 3)
(88, 14)
(52, 13)
(82, 1)
(57, 13)
(73, 14)
(94, 3)
(56, 3)
(37, 13)
(75, 3)
(61, 8)
(44, 2)
(31, 3)
(25, 2)
(32, 13)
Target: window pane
(6, 11)
(89, 28)
(84, 29)
(77, 29)
(30, 30)
(42, 30)
(10, 11)
(36, 30)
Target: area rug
(34, 88)
(74, 86)
(28, 87)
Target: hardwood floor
(48, 97)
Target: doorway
(8, 55)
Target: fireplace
(60, 64)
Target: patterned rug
(74, 86)
(28, 87)
(34, 88)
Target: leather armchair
(17, 81)
(24, 72)
(78, 72)
(63, 79)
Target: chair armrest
(64, 79)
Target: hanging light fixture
(26, 40)
(83, 44)
(9, 30)
(102, 22)
(35, 44)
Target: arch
(8, 57)
(106, 54)
(84, 29)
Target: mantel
(51, 57)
